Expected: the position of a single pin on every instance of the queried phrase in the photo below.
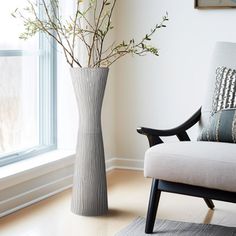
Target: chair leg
(209, 203)
(152, 206)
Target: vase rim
(90, 68)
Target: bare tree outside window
(18, 104)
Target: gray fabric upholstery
(206, 164)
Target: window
(27, 90)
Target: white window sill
(31, 168)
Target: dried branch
(95, 31)
(91, 32)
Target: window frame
(47, 107)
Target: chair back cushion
(224, 60)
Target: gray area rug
(169, 228)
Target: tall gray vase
(89, 195)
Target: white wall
(163, 91)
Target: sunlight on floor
(128, 197)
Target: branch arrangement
(89, 25)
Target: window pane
(18, 102)
(27, 90)
(12, 27)
(18, 83)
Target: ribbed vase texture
(89, 195)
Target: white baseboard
(123, 163)
(28, 192)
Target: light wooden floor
(128, 196)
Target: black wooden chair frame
(159, 186)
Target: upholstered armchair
(205, 168)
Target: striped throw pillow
(222, 123)
(221, 127)
(225, 89)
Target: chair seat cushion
(198, 163)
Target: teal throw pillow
(221, 127)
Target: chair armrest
(180, 131)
